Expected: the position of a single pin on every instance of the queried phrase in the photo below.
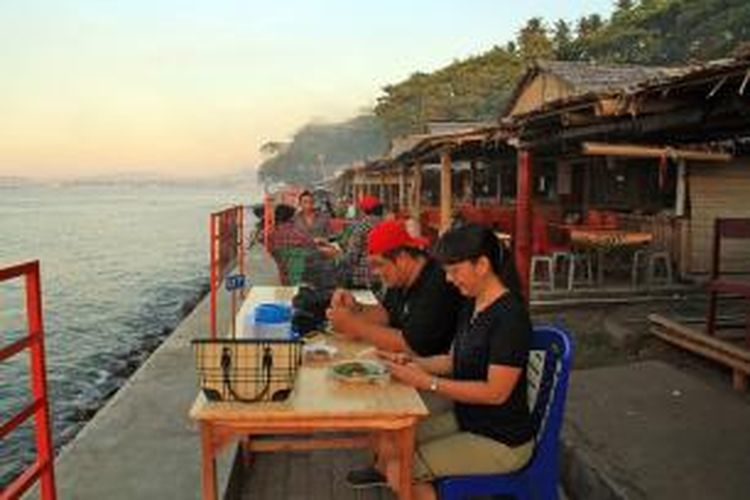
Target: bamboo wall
(718, 190)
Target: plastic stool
(547, 260)
(651, 258)
(666, 260)
(585, 260)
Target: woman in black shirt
(489, 428)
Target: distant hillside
(318, 150)
(656, 32)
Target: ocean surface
(120, 266)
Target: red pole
(212, 278)
(523, 221)
(241, 243)
(267, 219)
(39, 383)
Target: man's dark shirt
(498, 335)
(426, 312)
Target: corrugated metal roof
(585, 77)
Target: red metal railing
(227, 250)
(42, 469)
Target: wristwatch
(434, 383)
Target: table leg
(599, 266)
(406, 462)
(208, 463)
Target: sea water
(120, 266)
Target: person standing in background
(315, 224)
(353, 263)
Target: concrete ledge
(649, 430)
(142, 444)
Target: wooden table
(603, 241)
(317, 404)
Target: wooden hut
(664, 148)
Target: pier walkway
(638, 430)
(142, 444)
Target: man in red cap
(419, 310)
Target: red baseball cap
(368, 202)
(391, 234)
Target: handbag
(247, 370)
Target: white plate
(370, 371)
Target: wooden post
(416, 207)
(679, 209)
(499, 183)
(472, 179)
(446, 190)
(402, 189)
(523, 221)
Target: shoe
(368, 477)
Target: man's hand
(329, 251)
(399, 358)
(343, 299)
(343, 321)
(411, 374)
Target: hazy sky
(184, 87)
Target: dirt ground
(613, 334)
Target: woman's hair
(304, 193)
(472, 241)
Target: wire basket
(247, 370)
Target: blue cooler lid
(273, 312)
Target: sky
(193, 88)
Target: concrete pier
(142, 444)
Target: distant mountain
(318, 150)
(244, 179)
(10, 181)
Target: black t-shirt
(498, 335)
(426, 312)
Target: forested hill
(318, 150)
(658, 32)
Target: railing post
(213, 272)
(43, 467)
(39, 382)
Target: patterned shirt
(319, 271)
(353, 262)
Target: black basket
(247, 370)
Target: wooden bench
(726, 353)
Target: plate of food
(359, 371)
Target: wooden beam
(523, 222)
(681, 195)
(402, 189)
(642, 151)
(446, 190)
(472, 179)
(416, 206)
(738, 354)
(608, 107)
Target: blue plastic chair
(548, 386)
